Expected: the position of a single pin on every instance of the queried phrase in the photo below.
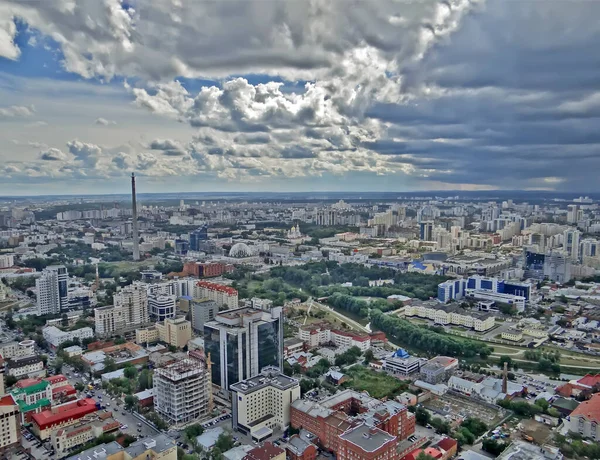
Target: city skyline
(272, 96)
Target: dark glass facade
(198, 236)
(211, 345)
(268, 345)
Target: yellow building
(174, 331)
(513, 334)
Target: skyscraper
(52, 290)
(197, 237)
(242, 342)
(133, 299)
(426, 230)
(571, 243)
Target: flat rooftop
(265, 379)
(367, 438)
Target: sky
(298, 95)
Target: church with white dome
(294, 234)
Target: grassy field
(378, 384)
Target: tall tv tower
(136, 237)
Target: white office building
(55, 337)
(262, 403)
(161, 307)
(52, 290)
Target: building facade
(585, 419)
(202, 311)
(52, 290)
(262, 403)
(55, 337)
(183, 390)
(222, 295)
(161, 307)
(243, 341)
(10, 425)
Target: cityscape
(300, 326)
(299, 230)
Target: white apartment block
(29, 366)
(7, 260)
(183, 391)
(109, 320)
(55, 337)
(133, 299)
(262, 403)
(129, 312)
(17, 349)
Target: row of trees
(546, 361)
(432, 341)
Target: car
(123, 427)
(139, 430)
(139, 424)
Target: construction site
(183, 391)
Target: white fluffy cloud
(104, 122)
(162, 39)
(16, 111)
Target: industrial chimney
(505, 378)
(136, 236)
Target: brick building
(334, 419)
(206, 270)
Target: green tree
(216, 454)
(493, 446)
(110, 365)
(422, 416)
(64, 321)
(79, 386)
(369, 356)
(131, 401)
(130, 372)
(224, 442)
(144, 380)
(10, 380)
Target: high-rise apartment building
(571, 244)
(129, 312)
(183, 390)
(161, 307)
(52, 290)
(262, 403)
(222, 295)
(326, 217)
(202, 311)
(242, 342)
(557, 266)
(574, 214)
(7, 260)
(133, 299)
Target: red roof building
(590, 380)
(217, 287)
(585, 419)
(60, 416)
(56, 381)
(27, 383)
(268, 451)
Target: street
(112, 404)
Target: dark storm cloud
(512, 100)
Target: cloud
(8, 30)
(168, 147)
(17, 111)
(53, 154)
(169, 38)
(104, 122)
